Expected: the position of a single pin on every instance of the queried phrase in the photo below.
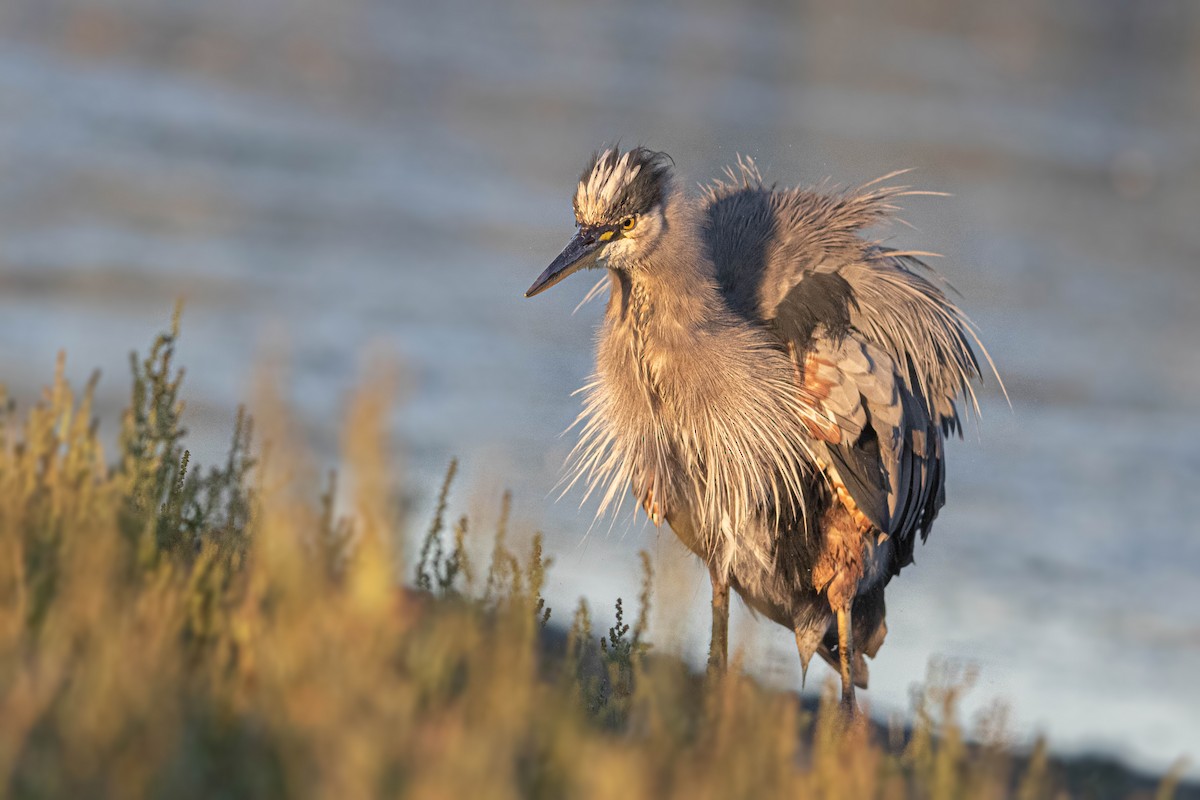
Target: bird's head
(619, 211)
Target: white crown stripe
(603, 186)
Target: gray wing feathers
(845, 377)
(928, 336)
(766, 241)
(900, 353)
(890, 458)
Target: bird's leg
(846, 656)
(718, 648)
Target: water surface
(343, 175)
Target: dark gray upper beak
(574, 257)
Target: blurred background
(348, 175)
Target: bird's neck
(673, 289)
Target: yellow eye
(628, 223)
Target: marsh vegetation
(250, 629)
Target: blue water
(327, 180)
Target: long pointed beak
(575, 256)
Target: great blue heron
(773, 385)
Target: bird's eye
(628, 223)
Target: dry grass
(176, 633)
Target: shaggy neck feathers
(688, 405)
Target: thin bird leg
(846, 656)
(718, 648)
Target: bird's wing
(768, 244)
(901, 311)
(879, 442)
(890, 352)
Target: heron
(773, 384)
